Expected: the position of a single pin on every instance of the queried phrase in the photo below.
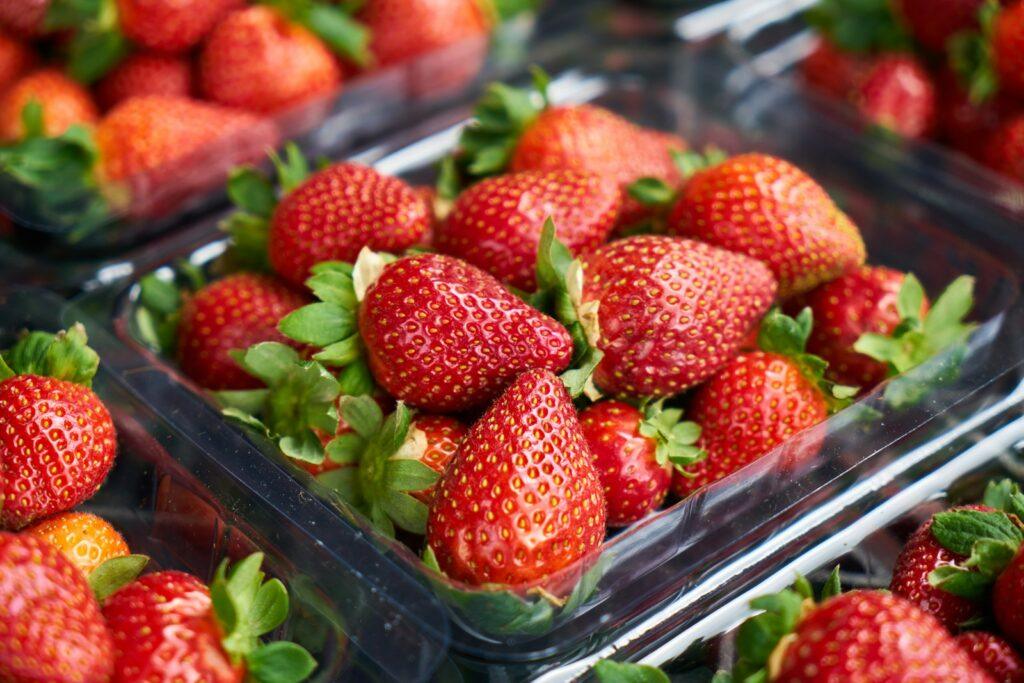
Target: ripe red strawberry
(16, 58)
(401, 30)
(966, 123)
(758, 401)
(257, 59)
(666, 313)
(432, 440)
(833, 71)
(922, 555)
(64, 103)
(166, 628)
(635, 454)
(934, 23)
(1005, 149)
(171, 26)
(231, 314)
(994, 654)
(145, 73)
(1007, 47)
(51, 628)
(897, 93)
(1007, 599)
(521, 500)
(56, 435)
(85, 539)
(338, 211)
(770, 210)
(24, 17)
(496, 224)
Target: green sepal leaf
(356, 379)
(280, 662)
(292, 169)
(344, 482)
(959, 530)
(249, 235)
(114, 574)
(608, 671)
(409, 475)
(362, 414)
(65, 355)
(690, 162)
(578, 379)
(651, 192)
(405, 511)
(971, 56)
(251, 191)
(833, 586)
(1004, 495)
(94, 50)
(803, 587)
(319, 324)
(864, 26)
(675, 440)
(961, 582)
(343, 34)
(345, 449)
(449, 182)
(334, 286)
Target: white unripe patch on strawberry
(366, 270)
(414, 446)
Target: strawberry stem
(64, 356)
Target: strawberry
(665, 313)
(56, 435)
(1005, 149)
(770, 210)
(759, 400)
(24, 18)
(432, 440)
(259, 60)
(63, 101)
(171, 26)
(897, 93)
(833, 71)
(1007, 47)
(51, 628)
(145, 73)
(635, 453)
(521, 500)
(16, 58)
(921, 555)
(1008, 596)
(993, 654)
(934, 23)
(85, 539)
(166, 627)
(401, 30)
(496, 224)
(232, 313)
(967, 123)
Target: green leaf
(833, 585)
(587, 585)
(345, 482)
(961, 582)
(690, 162)
(553, 259)
(803, 587)
(608, 671)
(759, 634)
(5, 373)
(304, 446)
(784, 335)
(356, 379)
(409, 475)
(269, 608)
(334, 287)
(722, 677)
(362, 414)
(249, 235)
(343, 34)
(248, 401)
(449, 184)
(578, 379)
(32, 121)
(992, 557)
(280, 662)
(346, 449)
(159, 295)
(251, 191)
(866, 26)
(94, 51)
(651, 192)
(292, 169)
(114, 574)
(405, 511)
(959, 530)
(65, 355)
(910, 298)
(269, 361)
(319, 324)
(1005, 495)
(944, 324)
(341, 353)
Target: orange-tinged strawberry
(1007, 47)
(770, 210)
(51, 628)
(16, 58)
(63, 101)
(994, 654)
(171, 26)
(401, 30)
(521, 500)
(85, 539)
(496, 224)
(145, 73)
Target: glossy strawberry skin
(920, 556)
(145, 73)
(441, 437)
(898, 94)
(233, 313)
(757, 402)
(994, 654)
(671, 312)
(844, 309)
(867, 636)
(164, 630)
(634, 483)
(85, 539)
(337, 212)
(445, 336)
(1008, 48)
(403, 29)
(58, 443)
(16, 58)
(258, 60)
(171, 26)
(496, 223)
(51, 629)
(64, 103)
(1005, 150)
(1007, 598)
(769, 209)
(934, 23)
(521, 500)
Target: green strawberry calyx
(248, 606)
(675, 439)
(97, 44)
(988, 539)
(114, 574)
(65, 355)
(970, 54)
(862, 26)
(609, 671)
(786, 336)
(490, 138)
(159, 300)
(333, 23)
(655, 192)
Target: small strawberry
(521, 500)
(496, 224)
(51, 628)
(933, 23)
(833, 71)
(166, 627)
(994, 654)
(171, 26)
(401, 30)
(259, 60)
(56, 436)
(635, 453)
(760, 400)
(1005, 149)
(897, 93)
(63, 102)
(968, 123)
(85, 539)
(770, 210)
(145, 73)
(16, 58)
(1007, 47)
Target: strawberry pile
(72, 608)
(131, 105)
(498, 372)
(949, 70)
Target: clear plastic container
(188, 494)
(913, 217)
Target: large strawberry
(63, 103)
(496, 224)
(1007, 46)
(666, 313)
(51, 628)
(521, 500)
(994, 654)
(166, 627)
(635, 453)
(16, 58)
(171, 26)
(56, 436)
(770, 210)
(146, 73)
(759, 400)
(401, 30)
(85, 539)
